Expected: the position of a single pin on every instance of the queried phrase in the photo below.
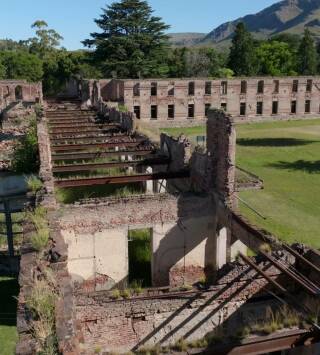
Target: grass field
(8, 309)
(286, 155)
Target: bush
(40, 239)
(115, 295)
(136, 287)
(38, 218)
(126, 294)
(181, 345)
(41, 303)
(34, 184)
(25, 158)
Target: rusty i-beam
(70, 147)
(97, 155)
(308, 285)
(89, 138)
(124, 164)
(124, 179)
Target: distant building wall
(19, 91)
(188, 100)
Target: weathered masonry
(13, 91)
(198, 287)
(173, 100)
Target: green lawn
(8, 307)
(286, 155)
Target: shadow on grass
(273, 142)
(9, 290)
(311, 167)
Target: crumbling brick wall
(183, 236)
(129, 324)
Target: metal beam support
(90, 167)
(70, 147)
(96, 155)
(301, 258)
(121, 179)
(306, 284)
(262, 273)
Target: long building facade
(190, 99)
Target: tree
(242, 57)
(307, 55)
(46, 40)
(276, 58)
(203, 62)
(132, 42)
(2, 70)
(177, 62)
(84, 65)
(21, 65)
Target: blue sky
(73, 19)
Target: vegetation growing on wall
(25, 158)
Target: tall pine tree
(307, 55)
(132, 42)
(242, 57)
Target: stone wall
(183, 230)
(147, 322)
(126, 120)
(224, 93)
(261, 98)
(19, 90)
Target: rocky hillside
(285, 16)
(186, 39)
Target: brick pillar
(221, 147)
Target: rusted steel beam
(96, 155)
(263, 345)
(88, 138)
(69, 113)
(82, 130)
(301, 258)
(90, 167)
(262, 273)
(122, 179)
(79, 126)
(70, 147)
(306, 284)
(72, 122)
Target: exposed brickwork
(223, 93)
(45, 163)
(148, 322)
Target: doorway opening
(140, 257)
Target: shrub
(34, 184)
(136, 287)
(41, 303)
(180, 345)
(126, 294)
(38, 218)
(25, 158)
(122, 108)
(266, 248)
(185, 288)
(115, 294)
(40, 239)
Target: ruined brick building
(201, 284)
(170, 101)
(186, 199)
(14, 91)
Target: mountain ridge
(286, 16)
